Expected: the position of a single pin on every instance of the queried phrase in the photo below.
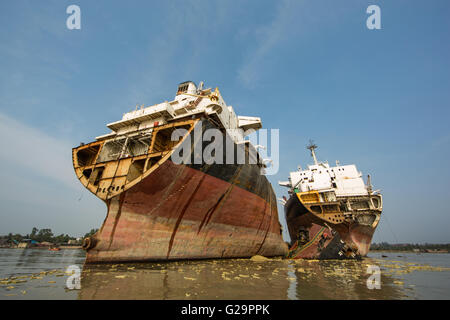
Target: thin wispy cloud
(441, 141)
(40, 188)
(268, 37)
(169, 52)
(28, 147)
(186, 46)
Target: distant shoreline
(411, 247)
(408, 251)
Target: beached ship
(166, 201)
(331, 213)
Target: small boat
(54, 249)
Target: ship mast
(369, 184)
(312, 146)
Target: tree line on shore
(409, 246)
(46, 235)
(42, 235)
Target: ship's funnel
(187, 87)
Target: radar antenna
(312, 146)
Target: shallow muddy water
(41, 274)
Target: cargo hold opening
(87, 156)
(163, 139)
(96, 175)
(136, 169)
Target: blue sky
(375, 98)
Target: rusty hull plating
(328, 233)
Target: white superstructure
(343, 180)
(189, 101)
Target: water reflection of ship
(343, 280)
(179, 280)
(330, 213)
(330, 279)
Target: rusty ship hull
(161, 210)
(327, 235)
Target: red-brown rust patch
(117, 217)
(177, 224)
(268, 226)
(219, 202)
